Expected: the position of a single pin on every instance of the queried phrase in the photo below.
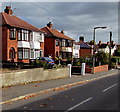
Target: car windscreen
(46, 58)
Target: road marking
(109, 87)
(79, 104)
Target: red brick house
(85, 49)
(56, 43)
(21, 41)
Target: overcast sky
(75, 18)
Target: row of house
(22, 42)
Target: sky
(75, 18)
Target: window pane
(19, 35)
(31, 53)
(11, 34)
(19, 54)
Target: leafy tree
(102, 57)
(92, 42)
(117, 52)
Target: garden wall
(101, 68)
(32, 75)
(96, 69)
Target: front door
(12, 54)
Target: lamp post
(94, 44)
(110, 50)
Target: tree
(102, 57)
(117, 52)
(92, 42)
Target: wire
(58, 15)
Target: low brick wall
(96, 69)
(88, 70)
(101, 68)
(32, 75)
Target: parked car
(48, 60)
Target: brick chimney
(108, 43)
(62, 32)
(49, 25)
(100, 42)
(8, 10)
(81, 38)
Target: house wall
(42, 47)
(85, 52)
(4, 44)
(57, 49)
(12, 43)
(49, 47)
(76, 49)
(107, 50)
(7, 44)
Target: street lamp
(94, 44)
(110, 50)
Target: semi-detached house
(21, 41)
(57, 43)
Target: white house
(36, 39)
(76, 49)
(105, 48)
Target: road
(96, 95)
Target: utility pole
(110, 49)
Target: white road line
(109, 87)
(78, 104)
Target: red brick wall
(0, 43)
(49, 46)
(85, 52)
(88, 70)
(101, 68)
(4, 43)
(12, 43)
(42, 47)
(57, 48)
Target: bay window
(23, 53)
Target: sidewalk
(36, 88)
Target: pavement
(18, 92)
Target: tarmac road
(100, 94)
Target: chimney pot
(100, 42)
(49, 25)
(81, 38)
(62, 31)
(8, 10)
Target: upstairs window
(19, 35)
(12, 33)
(63, 43)
(69, 43)
(57, 42)
(25, 35)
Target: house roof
(14, 21)
(84, 45)
(105, 45)
(55, 33)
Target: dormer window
(12, 33)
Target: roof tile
(14, 21)
(54, 32)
